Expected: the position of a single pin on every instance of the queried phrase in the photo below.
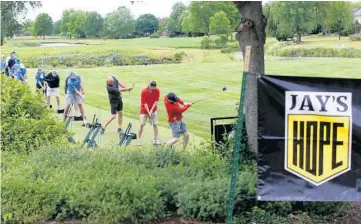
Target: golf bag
(94, 129)
(126, 137)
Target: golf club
(223, 89)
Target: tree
(146, 24)
(338, 17)
(72, 23)
(170, 26)
(186, 22)
(56, 27)
(252, 32)
(177, 10)
(28, 27)
(119, 24)
(93, 25)
(202, 11)
(295, 18)
(43, 25)
(10, 11)
(219, 23)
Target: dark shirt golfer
(114, 88)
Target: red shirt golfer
(175, 118)
(148, 109)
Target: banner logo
(318, 130)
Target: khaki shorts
(144, 117)
(52, 91)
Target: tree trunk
(251, 32)
(339, 36)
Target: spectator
(21, 74)
(3, 64)
(40, 83)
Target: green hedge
(25, 123)
(315, 52)
(96, 60)
(116, 186)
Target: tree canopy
(43, 25)
(146, 24)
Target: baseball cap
(172, 97)
(153, 84)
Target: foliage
(338, 17)
(115, 186)
(294, 18)
(316, 52)
(146, 24)
(93, 25)
(10, 15)
(43, 25)
(177, 10)
(119, 23)
(26, 123)
(221, 41)
(155, 35)
(96, 60)
(355, 37)
(72, 23)
(56, 27)
(206, 43)
(28, 27)
(179, 56)
(219, 23)
(186, 22)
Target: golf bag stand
(126, 137)
(94, 129)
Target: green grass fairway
(192, 82)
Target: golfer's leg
(155, 125)
(81, 108)
(175, 134)
(184, 130)
(48, 101)
(141, 126)
(113, 111)
(76, 108)
(66, 111)
(120, 119)
(68, 102)
(58, 102)
(185, 140)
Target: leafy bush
(26, 123)
(97, 60)
(315, 52)
(154, 35)
(206, 43)
(221, 41)
(226, 50)
(179, 56)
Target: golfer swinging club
(174, 111)
(148, 109)
(114, 88)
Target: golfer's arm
(121, 84)
(82, 88)
(154, 104)
(79, 93)
(146, 108)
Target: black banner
(309, 139)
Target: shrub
(97, 60)
(206, 43)
(221, 41)
(154, 35)
(26, 123)
(226, 50)
(179, 56)
(315, 52)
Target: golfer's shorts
(144, 117)
(178, 128)
(73, 99)
(52, 91)
(116, 106)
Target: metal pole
(235, 159)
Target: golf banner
(309, 139)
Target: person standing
(10, 62)
(3, 64)
(40, 83)
(114, 88)
(21, 74)
(53, 81)
(76, 108)
(75, 96)
(175, 118)
(148, 109)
